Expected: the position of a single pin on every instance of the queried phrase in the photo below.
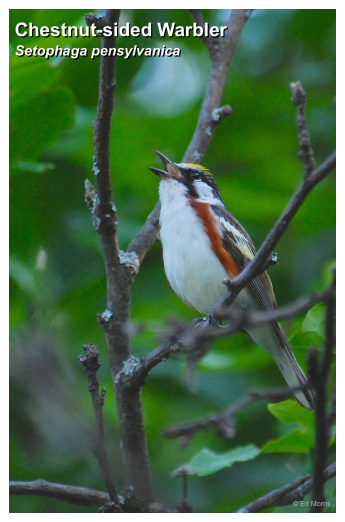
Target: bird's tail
(272, 338)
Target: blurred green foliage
(57, 279)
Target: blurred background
(57, 284)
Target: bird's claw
(212, 319)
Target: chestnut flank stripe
(211, 226)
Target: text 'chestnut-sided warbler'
(203, 244)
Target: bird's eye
(195, 174)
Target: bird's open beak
(171, 171)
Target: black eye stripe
(191, 174)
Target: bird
(203, 244)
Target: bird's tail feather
(272, 338)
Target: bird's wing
(271, 336)
(238, 244)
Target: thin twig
(306, 154)
(221, 52)
(224, 422)
(141, 370)
(246, 318)
(294, 492)
(184, 506)
(197, 17)
(91, 366)
(72, 494)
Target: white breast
(193, 270)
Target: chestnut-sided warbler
(203, 244)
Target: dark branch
(298, 307)
(120, 270)
(319, 376)
(306, 154)
(136, 377)
(197, 17)
(71, 494)
(103, 209)
(91, 366)
(221, 52)
(224, 423)
(296, 491)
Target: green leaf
(301, 440)
(289, 412)
(295, 327)
(315, 320)
(304, 340)
(298, 441)
(207, 462)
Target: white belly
(193, 270)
